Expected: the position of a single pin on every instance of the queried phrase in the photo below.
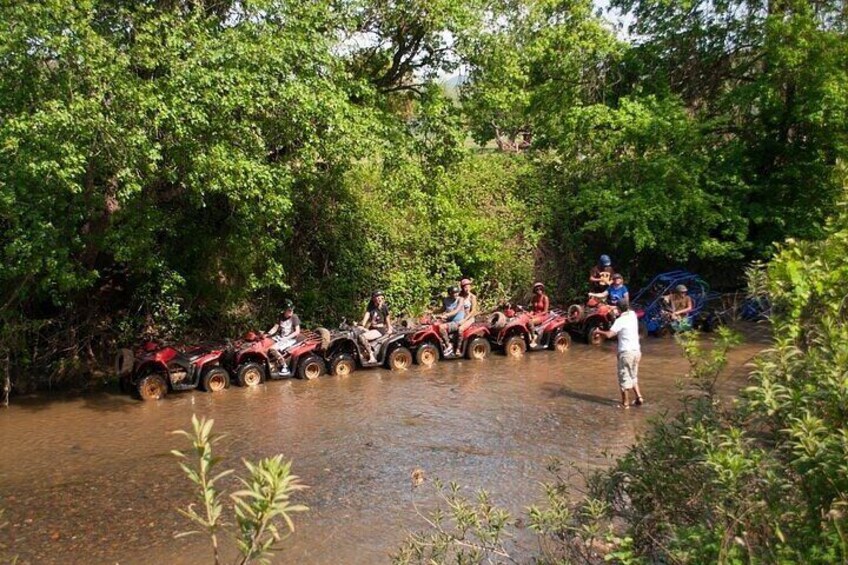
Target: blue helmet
(605, 261)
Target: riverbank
(91, 478)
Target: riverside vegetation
(761, 479)
(262, 507)
(174, 169)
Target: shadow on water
(555, 391)
(107, 398)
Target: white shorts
(628, 369)
(283, 343)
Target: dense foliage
(766, 479)
(175, 168)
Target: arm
(295, 328)
(474, 310)
(450, 314)
(604, 294)
(389, 323)
(274, 330)
(613, 331)
(364, 322)
(689, 307)
(546, 303)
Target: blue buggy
(652, 309)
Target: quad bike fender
(252, 356)
(208, 360)
(151, 366)
(342, 344)
(475, 331)
(517, 329)
(426, 334)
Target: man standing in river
(626, 327)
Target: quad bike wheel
(342, 365)
(498, 320)
(311, 368)
(325, 337)
(592, 335)
(215, 379)
(124, 361)
(478, 348)
(515, 346)
(399, 359)
(250, 374)
(152, 387)
(575, 313)
(561, 342)
(427, 355)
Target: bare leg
(624, 400)
(638, 401)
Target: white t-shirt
(626, 327)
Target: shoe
(639, 401)
(448, 351)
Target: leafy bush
(262, 508)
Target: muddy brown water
(92, 480)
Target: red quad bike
(344, 352)
(152, 370)
(426, 342)
(595, 315)
(511, 331)
(251, 364)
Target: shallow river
(91, 479)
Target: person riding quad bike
(614, 293)
(539, 308)
(453, 312)
(469, 305)
(375, 324)
(601, 274)
(284, 333)
(677, 307)
(541, 303)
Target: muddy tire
(311, 368)
(399, 359)
(515, 346)
(478, 348)
(250, 374)
(498, 320)
(152, 387)
(215, 379)
(427, 355)
(124, 361)
(342, 365)
(593, 337)
(561, 342)
(575, 313)
(325, 337)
